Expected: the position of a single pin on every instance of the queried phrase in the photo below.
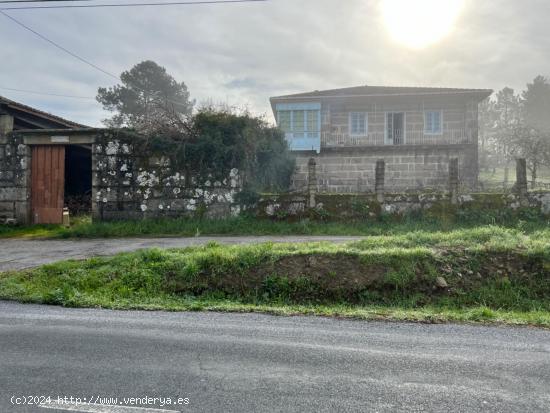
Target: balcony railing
(410, 137)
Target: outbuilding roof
(34, 118)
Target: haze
(241, 54)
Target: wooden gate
(48, 183)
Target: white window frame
(350, 123)
(386, 137)
(431, 132)
(306, 130)
(290, 118)
(306, 123)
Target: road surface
(16, 254)
(259, 363)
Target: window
(432, 122)
(395, 128)
(300, 123)
(312, 123)
(285, 120)
(358, 123)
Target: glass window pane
(437, 122)
(299, 121)
(284, 120)
(358, 123)
(432, 122)
(313, 120)
(389, 124)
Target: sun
(418, 24)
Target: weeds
(495, 274)
(83, 227)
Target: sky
(242, 54)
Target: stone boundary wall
(128, 182)
(364, 206)
(131, 184)
(15, 161)
(352, 170)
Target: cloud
(241, 54)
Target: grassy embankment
(494, 274)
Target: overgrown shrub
(215, 142)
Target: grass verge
(494, 274)
(83, 227)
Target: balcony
(410, 137)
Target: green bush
(215, 142)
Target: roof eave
(482, 93)
(58, 130)
(11, 104)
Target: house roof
(360, 91)
(28, 114)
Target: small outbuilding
(48, 163)
(45, 164)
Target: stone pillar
(453, 180)
(521, 181)
(311, 182)
(6, 126)
(379, 178)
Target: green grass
(495, 275)
(496, 177)
(83, 227)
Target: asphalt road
(16, 254)
(257, 363)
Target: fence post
(521, 181)
(453, 180)
(379, 178)
(311, 182)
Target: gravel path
(16, 254)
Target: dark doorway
(395, 124)
(78, 179)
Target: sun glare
(420, 23)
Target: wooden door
(48, 183)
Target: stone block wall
(352, 170)
(367, 206)
(130, 183)
(15, 160)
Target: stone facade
(14, 175)
(131, 184)
(407, 168)
(127, 181)
(415, 131)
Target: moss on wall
(397, 206)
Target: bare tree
(507, 119)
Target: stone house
(415, 130)
(59, 170)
